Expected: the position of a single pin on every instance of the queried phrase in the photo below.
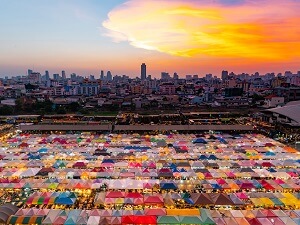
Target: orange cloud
(265, 30)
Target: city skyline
(187, 37)
(102, 75)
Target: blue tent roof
(174, 170)
(189, 201)
(34, 156)
(216, 186)
(168, 186)
(64, 195)
(222, 140)
(43, 150)
(65, 201)
(108, 161)
(137, 148)
(199, 140)
(202, 157)
(270, 153)
(212, 157)
(172, 165)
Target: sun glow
(268, 30)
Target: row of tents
(155, 216)
(130, 183)
(266, 200)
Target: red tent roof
(133, 195)
(139, 220)
(79, 164)
(115, 194)
(253, 221)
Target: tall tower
(143, 71)
(47, 76)
(109, 76)
(224, 75)
(63, 75)
(29, 71)
(102, 75)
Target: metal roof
(290, 111)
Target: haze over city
(150, 112)
(186, 36)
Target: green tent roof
(190, 220)
(168, 220)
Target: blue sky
(36, 29)
(86, 36)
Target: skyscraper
(63, 75)
(29, 72)
(47, 76)
(175, 76)
(165, 76)
(224, 75)
(143, 71)
(102, 75)
(109, 76)
(56, 76)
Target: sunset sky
(183, 36)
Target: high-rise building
(165, 76)
(109, 76)
(189, 77)
(175, 76)
(29, 72)
(47, 76)
(34, 78)
(208, 77)
(63, 74)
(224, 75)
(73, 76)
(102, 75)
(143, 71)
(56, 76)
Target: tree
(256, 98)
(30, 86)
(178, 89)
(73, 106)
(165, 99)
(200, 91)
(19, 105)
(6, 110)
(61, 110)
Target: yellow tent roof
(289, 196)
(256, 201)
(287, 202)
(183, 212)
(267, 201)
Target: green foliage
(61, 110)
(30, 87)
(6, 110)
(73, 107)
(256, 98)
(19, 105)
(114, 107)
